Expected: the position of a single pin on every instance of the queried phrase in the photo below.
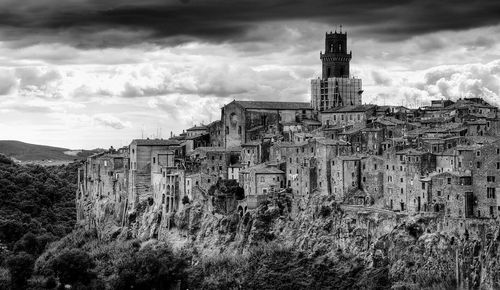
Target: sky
(83, 74)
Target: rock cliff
(412, 252)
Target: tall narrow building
(336, 88)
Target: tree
(72, 267)
(20, 267)
(150, 269)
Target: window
(423, 185)
(402, 191)
(498, 165)
(448, 180)
(478, 153)
(364, 179)
(239, 130)
(262, 179)
(154, 160)
(478, 164)
(439, 193)
(490, 178)
(490, 192)
(401, 180)
(375, 166)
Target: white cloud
(111, 121)
(107, 97)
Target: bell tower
(336, 87)
(335, 59)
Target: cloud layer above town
(83, 74)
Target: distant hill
(32, 152)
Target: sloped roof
(347, 109)
(411, 151)
(274, 105)
(268, 170)
(155, 142)
(197, 128)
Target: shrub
(73, 267)
(325, 211)
(20, 267)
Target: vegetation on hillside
(36, 207)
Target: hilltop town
(440, 160)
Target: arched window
(340, 47)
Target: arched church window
(340, 47)
(331, 47)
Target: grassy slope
(26, 152)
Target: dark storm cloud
(81, 23)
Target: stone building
(486, 180)
(216, 162)
(372, 178)
(141, 153)
(451, 194)
(251, 154)
(260, 181)
(102, 179)
(326, 150)
(246, 121)
(345, 176)
(349, 115)
(216, 134)
(336, 87)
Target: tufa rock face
(413, 253)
